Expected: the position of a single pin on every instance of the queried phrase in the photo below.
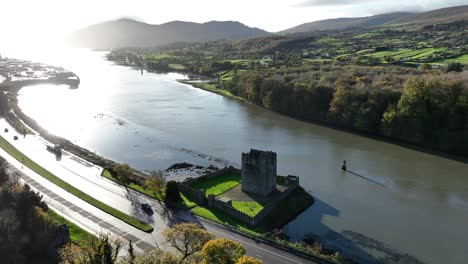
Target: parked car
(56, 149)
(147, 208)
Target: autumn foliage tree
(248, 260)
(187, 238)
(100, 250)
(123, 172)
(222, 251)
(156, 182)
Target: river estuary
(396, 201)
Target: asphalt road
(86, 177)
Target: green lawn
(222, 218)
(219, 185)
(176, 66)
(249, 208)
(77, 234)
(5, 145)
(158, 55)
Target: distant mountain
(131, 33)
(345, 23)
(438, 16)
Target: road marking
(247, 243)
(252, 245)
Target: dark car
(147, 208)
(56, 149)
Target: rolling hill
(438, 16)
(345, 23)
(132, 33)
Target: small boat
(343, 166)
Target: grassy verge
(210, 87)
(218, 185)
(77, 234)
(185, 204)
(5, 145)
(220, 217)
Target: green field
(463, 59)
(218, 185)
(249, 208)
(334, 41)
(408, 53)
(158, 55)
(366, 35)
(176, 66)
(428, 52)
(227, 75)
(5, 145)
(382, 54)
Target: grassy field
(176, 66)
(185, 204)
(463, 59)
(5, 145)
(408, 53)
(334, 41)
(249, 208)
(77, 234)
(158, 55)
(382, 54)
(366, 35)
(428, 52)
(227, 75)
(219, 185)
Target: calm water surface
(396, 201)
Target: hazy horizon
(53, 19)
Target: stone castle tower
(258, 172)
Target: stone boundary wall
(212, 202)
(253, 221)
(198, 196)
(267, 209)
(228, 209)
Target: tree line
(427, 108)
(27, 234)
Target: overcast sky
(20, 18)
